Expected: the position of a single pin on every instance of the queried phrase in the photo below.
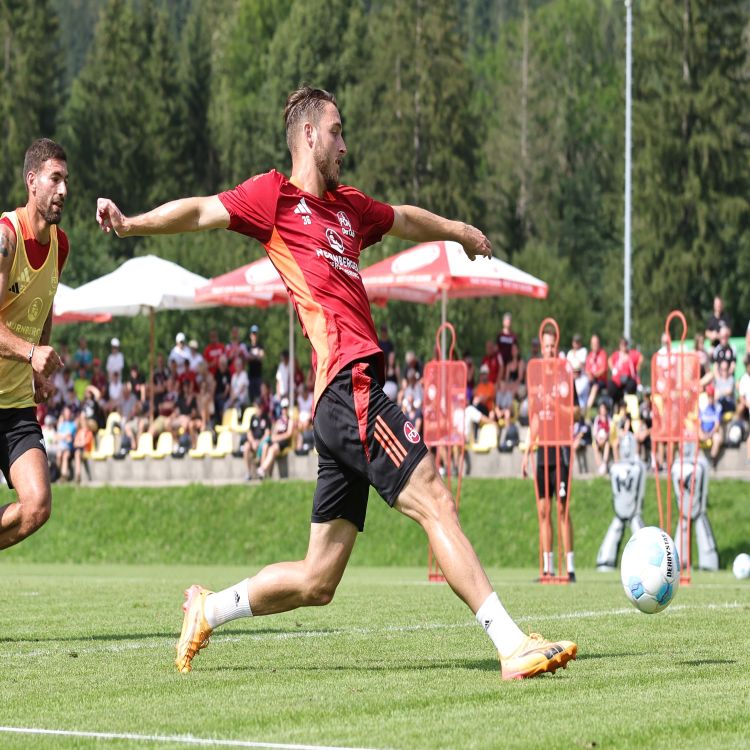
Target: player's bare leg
(306, 583)
(276, 588)
(545, 535)
(30, 477)
(428, 501)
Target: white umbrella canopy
(61, 296)
(140, 286)
(137, 287)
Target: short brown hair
(40, 151)
(305, 99)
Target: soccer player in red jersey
(33, 251)
(314, 229)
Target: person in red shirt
(33, 251)
(213, 351)
(596, 370)
(314, 230)
(623, 373)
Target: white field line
(157, 643)
(178, 739)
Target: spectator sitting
(128, 402)
(581, 385)
(623, 375)
(600, 430)
(235, 348)
(135, 424)
(493, 361)
(392, 376)
(83, 442)
(239, 386)
(596, 370)
(384, 342)
(718, 320)
(724, 388)
(305, 439)
(282, 432)
(137, 383)
(709, 418)
(194, 356)
(515, 370)
(98, 376)
(506, 338)
(82, 356)
(723, 352)
(213, 351)
(91, 406)
(484, 393)
(412, 388)
(255, 356)
(703, 358)
(412, 362)
(581, 438)
(81, 382)
(166, 409)
(115, 392)
(470, 376)
(206, 393)
(282, 378)
(187, 418)
(577, 353)
(179, 357)
(115, 359)
(637, 359)
(51, 443)
(258, 436)
(223, 390)
(66, 431)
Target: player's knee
(36, 510)
(319, 593)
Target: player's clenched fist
(45, 360)
(109, 217)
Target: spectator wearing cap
(717, 320)
(255, 356)
(180, 355)
(596, 370)
(709, 420)
(235, 348)
(214, 349)
(115, 359)
(484, 392)
(506, 338)
(195, 356)
(723, 352)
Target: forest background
(508, 114)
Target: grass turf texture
(393, 662)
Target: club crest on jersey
(334, 240)
(410, 433)
(346, 225)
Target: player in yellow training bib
(32, 254)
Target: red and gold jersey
(36, 252)
(315, 244)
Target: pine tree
(691, 183)
(30, 85)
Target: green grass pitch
(393, 662)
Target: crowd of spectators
(193, 388)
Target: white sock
(498, 624)
(549, 562)
(571, 564)
(227, 605)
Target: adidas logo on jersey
(303, 211)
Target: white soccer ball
(741, 566)
(650, 569)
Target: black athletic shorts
(362, 439)
(19, 432)
(557, 481)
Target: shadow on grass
(482, 665)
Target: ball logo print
(650, 569)
(410, 432)
(334, 240)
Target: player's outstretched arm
(416, 224)
(175, 217)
